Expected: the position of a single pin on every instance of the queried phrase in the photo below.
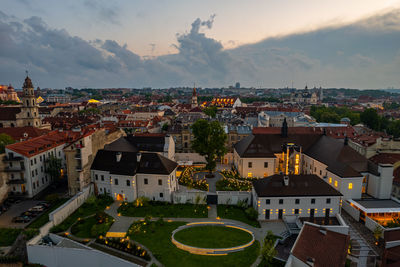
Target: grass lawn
(8, 235)
(90, 228)
(213, 237)
(235, 213)
(90, 207)
(44, 217)
(157, 238)
(164, 209)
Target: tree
(371, 119)
(209, 141)
(5, 139)
(165, 127)
(394, 128)
(210, 111)
(268, 251)
(53, 167)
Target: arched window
(28, 114)
(27, 102)
(33, 102)
(12, 124)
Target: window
(266, 164)
(31, 162)
(12, 176)
(96, 177)
(161, 195)
(250, 174)
(41, 168)
(313, 201)
(10, 164)
(335, 183)
(250, 164)
(128, 183)
(42, 180)
(146, 181)
(330, 180)
(33, 174)
(320, 172)
(116, 181)
(267, 201)
(297, 201)
(34, 160)
(350, 186)
(34, 186)
(296, 211)
(102, 177)
(36, 172)
(280, 201)
(328, 201)
(159, 182)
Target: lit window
(330, 180)
(335, 183)
(350, 186)
(250, 174)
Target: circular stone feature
(212, 238)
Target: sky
(163, 43)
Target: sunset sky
(148, 29)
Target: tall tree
(210, 111)
(371, 118)
(209, 141)
(5, 139)
(53, 167)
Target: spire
(27, 83)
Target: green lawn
(44, 217)
(235, 213)
(213, 237)
(91, 228)
(157, 238)
(90, 207)
(8, 235)
(164, 209)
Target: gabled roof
(150, 163)
(299, 185)
(262, 145)
(324, 247)
(9, 113)
(340, 158)
(26, 132)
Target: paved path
(211, 181)
(212, 212)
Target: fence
(57, 216)
(233, 197)
(189, 197)
(353, 212)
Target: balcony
(6, 158)
(16, 181)
(14, 169)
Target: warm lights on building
(350, 186)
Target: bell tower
(29, 111)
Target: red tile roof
(324, 247)
(23, 133)
(386, 158)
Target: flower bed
(233, 174)
(126, 246)
(229, 184)
(186, 179)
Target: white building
(129, 175)
(301, 195)
(26, 162)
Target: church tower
(29, 115)
(194, 98)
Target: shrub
(99, 229)
(251, 213)
(52, 198)
(242, 204)
(141, 202)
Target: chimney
(286, 180)
(118, 156)
(138, 156)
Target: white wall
(232, 197)
(189, 196)
(289, 205)
(355, 213)
(257, 168)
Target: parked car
(44, 205)
(29, 214)
(37, 208)
(21, 219)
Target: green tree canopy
(210, 111)
(371, 119)
(209, 141)
(5, 139)
(53, 167)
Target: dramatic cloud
(365, 54)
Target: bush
(242, 204)
(141, 202)
(99, 229)
(52, 198)
(251, 213)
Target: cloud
(104, 11)
(346, 56)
